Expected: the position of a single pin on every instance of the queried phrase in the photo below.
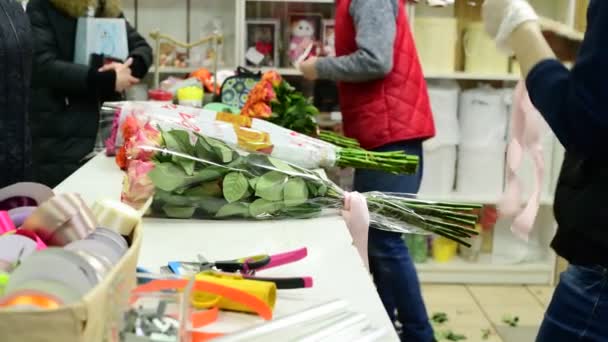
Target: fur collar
(79, 8)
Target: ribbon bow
(526, 136)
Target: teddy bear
(302, 41)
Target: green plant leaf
(282, 166)
(295, 192)
(262, 209)
(178, 212)
(303, 211)
(235, 186)
(208, 189)
(167, 176)
(204, 151)
(312, 189)
(322, 190)
(211, 206)
(253, 182)
(270, 186)
(223, 152)
(237, 209)
(178, 141)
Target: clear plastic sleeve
(252, 135)
(193, 176)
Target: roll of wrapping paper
(265, 291)
(61, 220)
(116, 216)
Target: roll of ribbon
(265, 291)
(6, 223)
(27, 300)
(24, 194)
(18, 215)
(16, 247)
(102, 265)
(61, 220)
(116, 216)
(111, 238)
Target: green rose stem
(391, 162)
(339, 140)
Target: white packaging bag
(444, 99)
(481, 170)
(483, 116)
(439, 171)
(102, 36)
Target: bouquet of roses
(275, 100)
(249, 134)
(190, 175)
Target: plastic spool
(436, 55)
(481, 54)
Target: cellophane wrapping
(194, 176)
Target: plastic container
(480, 170)
(480, 52)
(191, 96)
(436, 55)
(418, 247)
(439, 172)
(444, 250)
(159, 95)
(471, 254)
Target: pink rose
(137, 147)
(137, 187)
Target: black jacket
(575, 105)
(66, 97)
(15, 71)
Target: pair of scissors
(247, 267)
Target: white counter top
(332, 261)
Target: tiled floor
(473, 309)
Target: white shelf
(472, 76)
(484, 271)
(174, 70)
(300, 1)
(546, 200)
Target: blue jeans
(390, 263)
(579, 308)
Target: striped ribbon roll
(61, 220)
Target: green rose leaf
(322, 191)
(295, 192)
(178, 141)
(208, 189)
(233, 209)
(223, 152)
(167, 176)
(235, 186)
(178, 212)
(261, 208)
(282, 166)
(303, 211)
(312, 189)
(212, 205)
(270, 186)
(253, 182)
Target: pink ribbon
(526, 136)
(356, 216)
(6, 223)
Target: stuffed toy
(329, 48)
(302, 44)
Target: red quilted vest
(393, 109)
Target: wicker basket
(89, 320)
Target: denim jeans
(579, 308)
(390, 263)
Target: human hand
(309, 69)
(124, 79)
(502, 17)
(356, 217)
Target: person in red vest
(385, 106)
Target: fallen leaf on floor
(511, 320)
(439, 317)
(485, 334)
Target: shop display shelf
(484, 271)
(546, 199)
(459, 75)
